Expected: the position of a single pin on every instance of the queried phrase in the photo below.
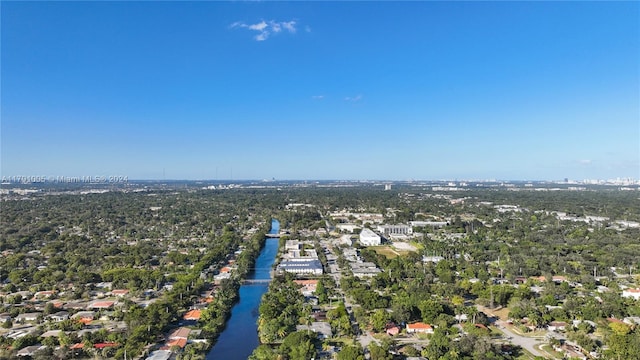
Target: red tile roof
(192, 315)
(306, 282)
(177, 342)
(101, 304)
(419, 326)
(85, 321)
(180, 333)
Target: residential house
(632, 320)
(44, 294)
(178, 337)
(419, 327)
(180, 333)
(631, 293)
(320, 315)
(51, 333)
(76, 346)
(59, 316)
(101, 305)
(520, 280)
(192, 315)
(120, 292)
(29, 350)
(28, 317)
(85, 317)
(557, 326)
(558, 279)
(5, 317)
(392, 329)
(308, 287)
(433, 259)
(577, 323)
(323, 329)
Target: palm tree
(473, 311)
(282, 332)
(535, 319)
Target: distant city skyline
(321, 90)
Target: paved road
(364, 338)
(526, 343)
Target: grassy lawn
(388, 252)
(502, 314)
(550, 352)
(525, 356)
(343, 340)
(495, 332)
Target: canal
(240, 336)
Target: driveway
(526, 343)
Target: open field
(389, 252)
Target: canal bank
(240, 335)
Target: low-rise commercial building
(369, 238)
(311, 267)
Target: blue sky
(321, 90)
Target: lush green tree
(377, 352)
(263, 352)
(430, 309)
(321, 292)
(379, 319)
(351, 352)
(298, 345)
(438, 346)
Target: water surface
(240, 336)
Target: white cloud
(354, 99)
(259, 26)
(584, 162)
(265, 28)
(317, 97)
(289, 25)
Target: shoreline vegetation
(214, 317)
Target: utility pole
(491, 290)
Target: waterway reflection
(240, 336)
